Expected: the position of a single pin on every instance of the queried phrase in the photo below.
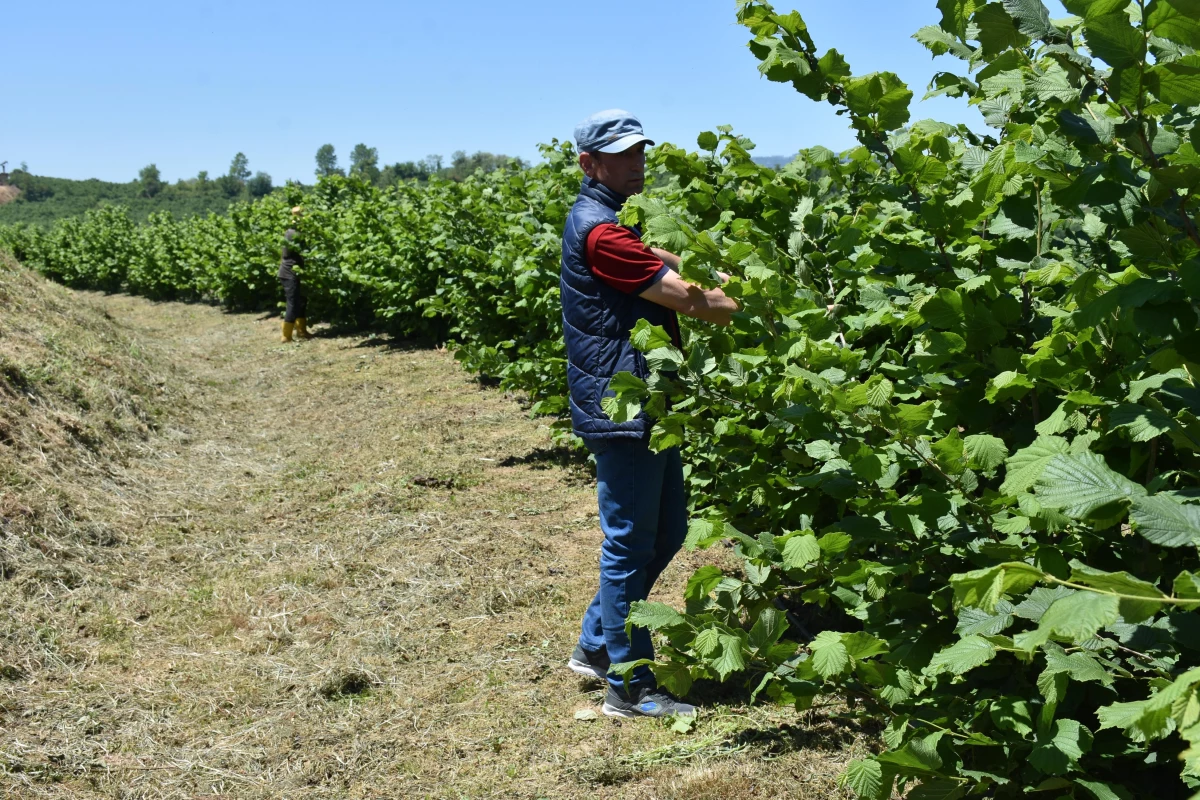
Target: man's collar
(615, 199)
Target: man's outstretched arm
(668, 258)
(672, 261)
(673, 292)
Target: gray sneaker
(593, 665)
(645, 702)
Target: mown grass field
(334, 569)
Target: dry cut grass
(338, 569)
(78, 400)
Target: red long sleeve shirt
(618, 257)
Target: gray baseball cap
(611, 131)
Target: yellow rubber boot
(302, 328)
(288, 327)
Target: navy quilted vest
(597, 321)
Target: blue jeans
(643, 513)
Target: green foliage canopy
(969, 490)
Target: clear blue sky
(102, 89)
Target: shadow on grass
(379, 341)
(812, 732)
(575, 459)
(826, 733)
(813, 728)
(372, 336)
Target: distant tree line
(364, 162)
(33, 188)
(236, 184)
(44, 200)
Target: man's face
(624, 172)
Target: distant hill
(44, 200)
(774, 162)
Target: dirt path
(349, 571)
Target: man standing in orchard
(609, 281)
(294, 317)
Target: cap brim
(624, 143)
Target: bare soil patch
(342, 569)
(8, 194)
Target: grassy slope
(340, 569)
(78, 399)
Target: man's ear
(587, 162)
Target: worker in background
(293, 292)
